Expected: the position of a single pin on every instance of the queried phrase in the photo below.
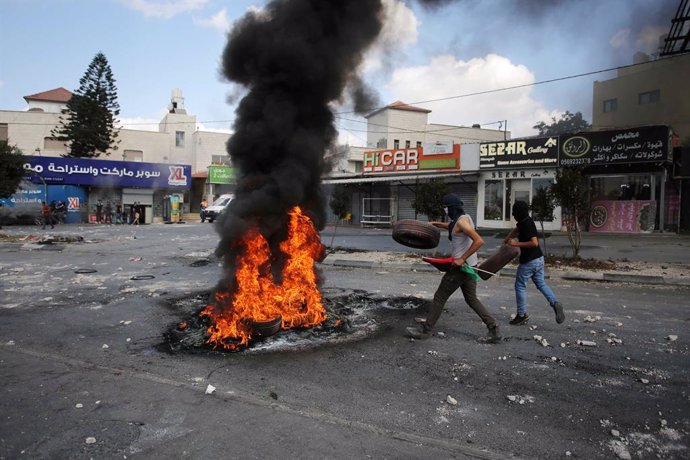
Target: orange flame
(257, 298)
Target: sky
(431, 57)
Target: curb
(510, 272)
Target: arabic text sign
(520, 153)
(635, 145)
(79, 171)
(410, 161)
(632, 216)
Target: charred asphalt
(86, 373)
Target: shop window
(493, 200)
(407, 144)
(396, 143)
(649, 97)
(3, 132)
(610, 105)
(623, 188)
(179, 138)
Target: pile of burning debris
(349, 316)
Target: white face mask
(445, 209)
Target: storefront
(387, 189)
(514, 170)
(628, 175)
(87, 184)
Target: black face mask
(520, 211)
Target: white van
(213, 211)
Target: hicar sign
(391, 160)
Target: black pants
(452, 280)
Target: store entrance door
(520, 191)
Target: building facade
(177, 143)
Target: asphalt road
(83, 359)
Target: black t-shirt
(526, 230)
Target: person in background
(108, 213)
(47, 214)
(118, 213)
(464, 241)
(531, 264)
(60, 211)
(204, 204)
(99, 212)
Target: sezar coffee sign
(444, 157)
(519, 153)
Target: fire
(257, 296)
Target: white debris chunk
(210, 389)
(512, 398)
(520, 399)
(10, 342)
(562, 344)
(541, 341)
(79, 405)
(663, 422)
(615, 433)
(645, 381)
(614, 341)
(620, 450)
(586, 343)
(672, 338)
(105, 346)
(533, 327)
(90, 440)
(441, 334)
(451, 400)
(591, 319)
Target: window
(407, 144)
(649, 97)
(396, 143)
(419, 143)
(358, 166)
(179, 138)
(54, 144)
(133, 155)
(493, 200)
(382, 143)
(221, 160)
(3, 132)
(610, 105)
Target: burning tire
(415, 234)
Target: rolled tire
(416, 234)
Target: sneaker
(417, 333)
(494, 334)
(560, 315)
(519, 319)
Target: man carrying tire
(465, 241)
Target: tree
(88, 121)
(571, 193)
(569, 123)
(11, 169)
(340, 205)
(428, 199)
(340, 201)
(542, 209)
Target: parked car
(213, 211)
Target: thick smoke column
(295, 58)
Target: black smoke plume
(295, 58)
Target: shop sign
(520, 153)
(636, 145)
(412, 160)
(221, 175)
(106, 173)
